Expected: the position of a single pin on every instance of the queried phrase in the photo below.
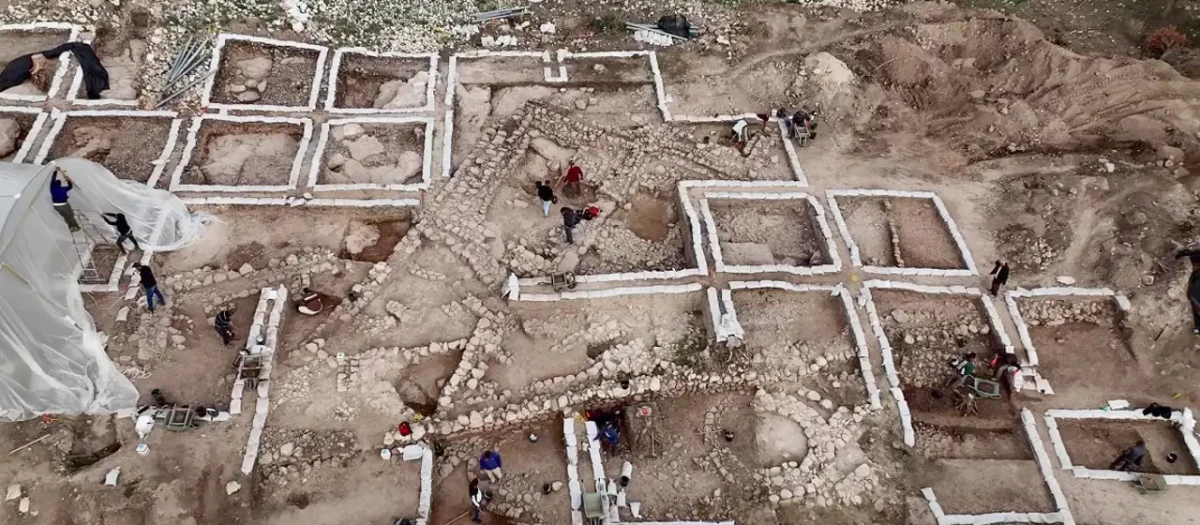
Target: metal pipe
(182, 90)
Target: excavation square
(926, 332)
(597, 71)
(685, 443)
(898, 232)
(263, 72)
(1077, 340)
(373, 490)
(374, 154)
(123, 57)
(242, 154)
(763, 157)
(562, 345)
(18, 40)
(777, 342)
(500, 70)
(364, 81)
(132, 148)
(16, 128)
(1095, 444)
(757, 232)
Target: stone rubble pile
(823, 477)
(154, 336)
(1056, 313)
(308, 261)
(930, 340)
(293, 455)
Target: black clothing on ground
(1157, 410)
(147, 274)
(545, 192)
(95, 77)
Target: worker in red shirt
(573, 178)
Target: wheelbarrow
(593, 508)
(982, 388)
(562, 281)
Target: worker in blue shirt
(489, 463)
(58, 197)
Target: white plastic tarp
(52, 359)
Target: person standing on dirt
(1193, 290)
(546, 194)
(59, 195)
(478, 500)
(573, 180)
(1000, 276)
(150, 285)
(123, 230)
(490, 463)
(224, 326)
(570, 219)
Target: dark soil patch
(390, 233)
(104, 257)
(247, 253)
(649, 218)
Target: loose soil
(1096, 444)
(360, 77)
(126, 146)
(288, 84)
(924, 242)
(243, 154)
(788, 232)
(25, 124)
(104, 257)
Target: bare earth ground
(1014, 126)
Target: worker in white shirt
(739, 132)
(1010, 373)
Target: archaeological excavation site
(843, 262)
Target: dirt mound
(988, 84)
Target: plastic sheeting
(52, 359)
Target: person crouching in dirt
(804, 121)
(963, 366)
(1008, 371)
(309, 303)
(1193, 290)
(223, 324)
(739, 134)
(1131, 459)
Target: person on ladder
(58, 197)
(123, 230)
